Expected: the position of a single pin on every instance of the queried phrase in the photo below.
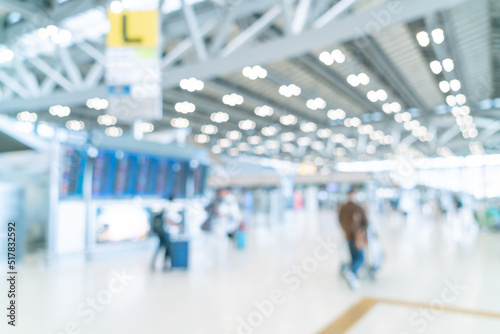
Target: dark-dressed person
(158, 226)
(353, 220)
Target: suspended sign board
(133, 66)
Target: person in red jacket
(352, 218)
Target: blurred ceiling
(376, 77)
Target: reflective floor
(286, 281)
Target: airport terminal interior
(250, 166)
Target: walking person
(158, 226)
(352, 218)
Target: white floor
(219, 295)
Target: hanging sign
(133, 66)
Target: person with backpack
(158, 227)
(352, 218)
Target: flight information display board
(126, 174)
(74, 164)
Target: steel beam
(301, 15)
(251, 32)
(335, 32)
(334, 12)
(194, 30)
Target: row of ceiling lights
(459, 110)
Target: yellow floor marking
(445, 309)
(349, 318)
(356, 312)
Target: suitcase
(241, 239)
(180, 253)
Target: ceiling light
(147, 127)
(363, 79)
(318, 145)
(44, 130)
(288, 120)
(192, 84)
(216, 149)
(254, 73)
(26, 116)
(365, 129)
(287, 136)
(465, 110)
(179, 122)
(387, 140)
(209, 129)
(455, 85)
(304, 141)
(116, 7)
(224, 143)
(438, 36)
(372, 96)
(264, 111)
(338, 56)
(272, 144)
(324, 133)
(335, 114)
(317, 103)
(326, 58)
(287, 147)
(232, 99)
(233, 152)
(113, 131)
(398, 118)
(338, 138)
(353, 80)
(202, 139)
(387, 108)
(423, 38)
(185, 107)
(269, 131)
(381, 95)
(59, 110)
(246, 124)
(75, 125)
(97, 103)
(436, 67)
(448, 65)
(355, 122)
(340, 151)
(406, 116)
(234, 135)
(259, 150)
(308, 127)
(243, 146)
(106, 120)
(461, 99)
(6, 56)
(444, 86)
(407, 126)
(219, 117)
(254, 140)
(351, 142)
(451, 100)
(395, 107)
(290, 90)
(371, 149)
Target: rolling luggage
(180, 253)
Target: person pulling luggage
(352, 218)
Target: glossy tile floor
(258, 290)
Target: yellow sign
(129, 28)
